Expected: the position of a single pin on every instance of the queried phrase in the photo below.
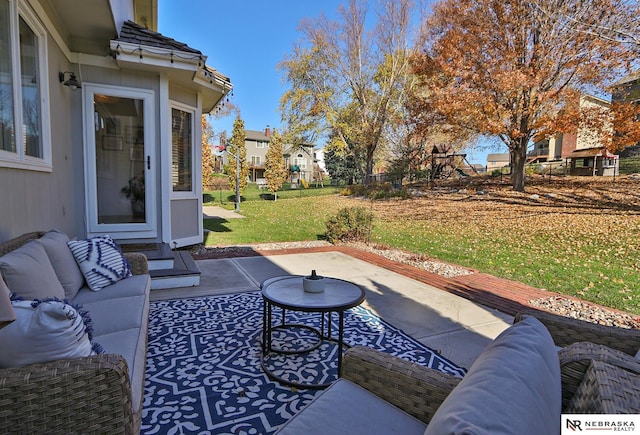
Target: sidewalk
(216, 212)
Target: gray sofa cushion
(348, 408)
(29, 273)
(136, 285)
(118, 314)
(131, 344)
(513, 387)
(65, 266)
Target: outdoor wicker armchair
(79, 395)
(415, 389)
(583, 342)
(566, 331)
(420, 391)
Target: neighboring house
(300, 160)
(319, 159)
(257, 145)
(100, 121)
(628, 89)
(582, 148)
(546, 150)
(497, 161)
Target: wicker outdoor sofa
(101, 393)
(601, 375)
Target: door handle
(148, 162)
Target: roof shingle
(134, 33)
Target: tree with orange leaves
(515, 69)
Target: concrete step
(168, 268)
(184, 273)
(159, 255)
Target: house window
(182, 150)
(261, 144)
(24, 122)
(300, 161)
(256, 160)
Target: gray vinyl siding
(33, 200)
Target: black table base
(268, 344)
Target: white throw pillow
(29, 273)
(100, 260)
(44, 331)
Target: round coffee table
(286, 293)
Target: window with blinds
(182, 150)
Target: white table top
(287, 292)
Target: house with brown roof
(100, 122)
(582, 148)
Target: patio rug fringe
(203, 364)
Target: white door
(119, 159)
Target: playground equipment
(445, 163)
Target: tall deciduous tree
(515, 69)
(208, 159)
(238, 150)
(275, 170)
(341, 68)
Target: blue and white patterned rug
(203, 364)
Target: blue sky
(246, 40)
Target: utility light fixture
(71, 81)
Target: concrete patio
(456, 327)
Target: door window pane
(120, 159)
(182, 150)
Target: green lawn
(592, 255)
(294, 216)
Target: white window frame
(301, 162)
(19, 159)
(193, 192)
(256, 160)
(147, 229)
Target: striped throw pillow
(100, 260)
